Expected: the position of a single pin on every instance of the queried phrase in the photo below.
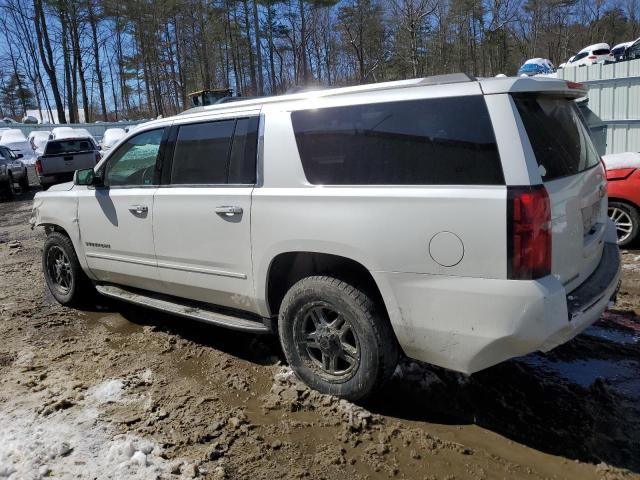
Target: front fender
(59, 210)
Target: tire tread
(375, 316)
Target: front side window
(601, 51)
(441, 141)
(134, 163)
(8, 154)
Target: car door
(17, 167)
(202, 216)
(11, 161)
(116, 218)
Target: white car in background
(61, 132)
(590, 55)
(38, 140)
(619, 49)
(83, 132)
(111, 137)
(15, 140)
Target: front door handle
(138, 209)
(228, 210)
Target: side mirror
(86, 176)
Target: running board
(187, 309)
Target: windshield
(558, 135)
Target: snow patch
(622, 160)
(25, 359)
(75, 443)
(108, 391)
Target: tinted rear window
(558, 136)
(444, 141)
(215, 153)
(242, 165)
(201, 154)
(68, 146)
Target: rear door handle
(139, 209)
(228, 210)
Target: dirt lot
(120, 392)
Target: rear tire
(627, 221)
(65, 278)
(335, 338)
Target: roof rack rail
(447, 78)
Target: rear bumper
(468, 324)
(56, 178)
(586, 303)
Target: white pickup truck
(460, 222)
(61, 158)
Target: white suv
(591, 55)
(459, 222)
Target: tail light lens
(38, 165)
(592, 57)
(98, 157)
(528, 232)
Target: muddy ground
(120, 392)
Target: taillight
(528, 232)
(98, 157)
(592, 57)
(38, 165)
(576, 86)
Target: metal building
(614, 96)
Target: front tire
(65, 278)
(335, 338)
(9, 189)
(627, 221)
(24, 182)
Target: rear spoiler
(492, 86)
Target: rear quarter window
(557, 133)
(444, 141)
